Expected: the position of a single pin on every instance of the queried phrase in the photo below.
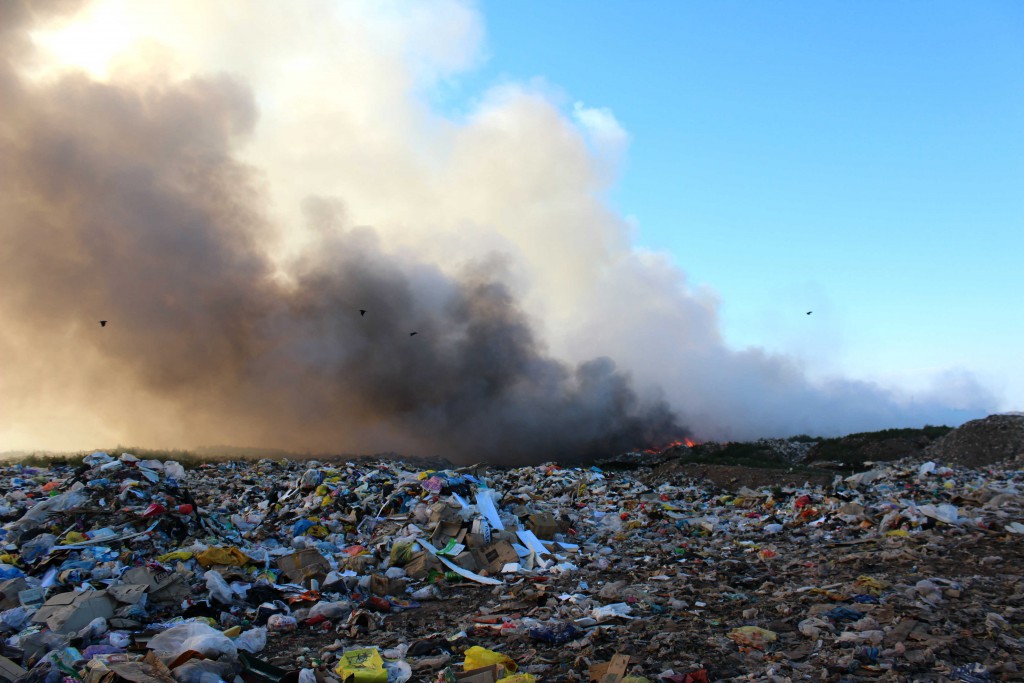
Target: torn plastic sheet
(615, 610)
(104, 539)
(944, 513)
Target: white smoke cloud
(607, 136)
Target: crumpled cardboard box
(304, 565)
(72, 611)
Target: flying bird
(809, 312)
(412, 334)
(103, 323)
(362, 313)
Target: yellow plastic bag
(362, 666)
(180, 555)
(401, 553)
(518, 678)
(230, 557)
(477, 657)
(74, 537)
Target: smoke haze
(231, 186)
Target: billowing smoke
(213, 214)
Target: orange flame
(688, 442)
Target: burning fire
(688, 442)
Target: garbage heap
(127, 569)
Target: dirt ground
(733, 477)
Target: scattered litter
(127, 569)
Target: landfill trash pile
(126, 569)
(982, 442)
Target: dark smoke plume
(129, 205)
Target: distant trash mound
(981, 442)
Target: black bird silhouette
(103, 323)
(809, 312)
(361, 313)
(412, 334)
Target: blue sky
(865, 161)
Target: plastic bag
(253, 640)
(401, 553)
(398, 671)
(14, 619)
(364, 665)
(477, 657)
(37, 547)
(174, 470)
(203, 671)
(302, 526)
(331, 610)
(97, 458)
(430, 592)
(611, 611)
(94, 629)
(218, 587)
(230, 557)
(119, 639)
(174, 555)
(311, 479)
(282, 623)
(752, 636)
(518, 678)
(944, 513)
(9, 571)
(197, 636)
(555, 633)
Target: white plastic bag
(174, 470)
(331, 610)
(42, 510)
(615, 609)
(119, 639)
(94, 629)
(218, 587)
(197, 636)
(97, 458)
(426, 593)
(253, 640)
(203, 671)
(398, 671)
